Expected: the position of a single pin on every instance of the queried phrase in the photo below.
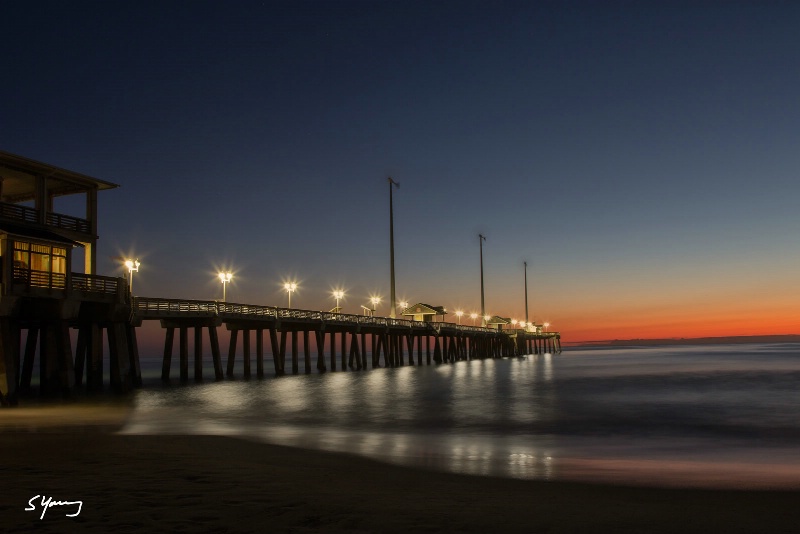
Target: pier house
(424, 312)
(44, 293)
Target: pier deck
(393, 342)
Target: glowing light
(459, 313)
(338, 294)
(290, 288)
(224, 277)
(132, 265)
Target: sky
(641, 157)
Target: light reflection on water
(580, 415)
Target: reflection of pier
(396, 341)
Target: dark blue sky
(641, 156)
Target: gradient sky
(642, 157)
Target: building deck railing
(95, 284)
(30, 215)
(44, 279)
(87, 283)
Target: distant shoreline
(780, 338)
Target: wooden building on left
(49, 287)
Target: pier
(44, 299)
(349, 339)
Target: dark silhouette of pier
(42, 299)
(339, 340)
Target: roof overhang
(18, 173)
(36, 234)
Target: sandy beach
(131, 483)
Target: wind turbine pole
(392, 305)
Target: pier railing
(160, 308)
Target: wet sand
(132, 483)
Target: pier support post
(306, 352)
(354, 351)
(246, 352)
(295, 363)
(232, 352)
(215, 354)
(282, 355)
(363, 350)
(27, 362)
(198, 354)
(428, 349)
(9, 363)
(169, 338)
(344, 351)
(259, 353)
(119, 358)
(320, 334)
(133, 352)
(333, 351)
(184, 350)
(273, 339)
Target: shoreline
(132, 483)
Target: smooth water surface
(717, 416)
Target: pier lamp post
(545, 326)
(375, 301)
(393, 304)
(290, 288)
(225, 278)
(473, 316)
(514, 324)
(459, 313)
(403, 304)
(338, 295)
(132, 265)
(486, 319)
(526, 290)
(481, 239)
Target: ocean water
(707, 416)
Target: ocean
(693, 416)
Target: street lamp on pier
(225, 278)
(481, 239)
(473, 316)
(338, 294)
(393, 304)
(374, 300)
(290, 288)
(132, 265)
(459, 313)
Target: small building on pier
(44, 295)
(497, 322)
(424, 312)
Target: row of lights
(338, 294)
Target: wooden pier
(349, 339)
(42, 300)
